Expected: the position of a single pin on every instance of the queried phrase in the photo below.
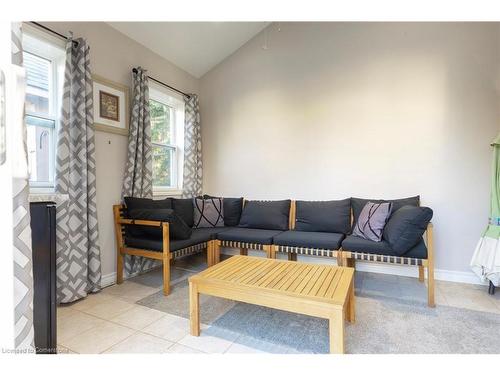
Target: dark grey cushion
(358, 244)
(357, 204)
(208, 212)
(371, 221)
(406, 227)
(232, 210)
(323, 216)
(178, 229)
(184, 208)
(249, 235)
(311, 240)
(265, 215)
(133, 203)
(198, 236)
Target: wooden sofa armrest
(149, 223)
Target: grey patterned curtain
(138, 178)
(23, 266)
(78, 254)
(193, 167)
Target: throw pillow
(371, 221)
(323, 216)
(357, 204)
(232, 208)
(406, 227)
(265, 215)
(208, 213)
(178, 229)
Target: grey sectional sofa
(321, 228)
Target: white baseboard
(439, 274)
(108, 279)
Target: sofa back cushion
(406, 227)
(265, 215)
(232, 208)
(133, 203)
(185, 209)
(357, 204)
(372, 220)
(208, 213)
(178, 229)
(323, 216)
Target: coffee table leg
(351, 304)
(337, 332)
(194, 309)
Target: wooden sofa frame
(344, 258)
(347, 258)
(165, 256)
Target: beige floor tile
(108, 308)
(170, 327)
(213, 340)
(182, 349)
(98, 339)
(130, 291)
(74, 324)
(467, 296)
(90, 301)
(64, 311)
(138, 317)
(141, 343)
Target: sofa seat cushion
(211, 232)
(249, 235)
(198, 236)
(311, 240)
(360, 245)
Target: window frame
(47, 47)
(175, 101)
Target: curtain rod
(52, 31)
(164, 84)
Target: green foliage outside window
(161, 135)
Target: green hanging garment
(486, 259)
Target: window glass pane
(160, 115)
(38, 76)
(162, 166)
(40, 149)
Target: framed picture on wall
(110, 106)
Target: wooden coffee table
(311, 289)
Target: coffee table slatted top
(323, 283)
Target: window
(167, 132)
(43, 60)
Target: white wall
(113, 55)
(332, 110)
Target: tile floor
(111, 322)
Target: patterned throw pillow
(208, 213)
(371, 221)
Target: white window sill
(167, 193)
(38, 196)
